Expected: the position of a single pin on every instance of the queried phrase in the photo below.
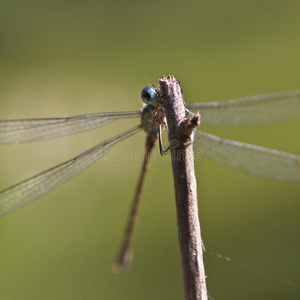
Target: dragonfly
(256, 160)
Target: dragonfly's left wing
(250, 110)
(26, 130)
(40, 184)
(255, 160)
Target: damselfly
(256, 160)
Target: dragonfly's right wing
(40, 184)
(25, 130)
(255, 160)
(250, 110)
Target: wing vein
(32, 188)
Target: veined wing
(40, 184)
(250, 110)
(255, 160)
(25, 130)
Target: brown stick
(181, 142)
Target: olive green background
(62, 58)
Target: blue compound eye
(149, 95)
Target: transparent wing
(251, 110)
(25, 130)
(40, 184)
(255, 160)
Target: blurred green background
(62, 58)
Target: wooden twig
(181, 143)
